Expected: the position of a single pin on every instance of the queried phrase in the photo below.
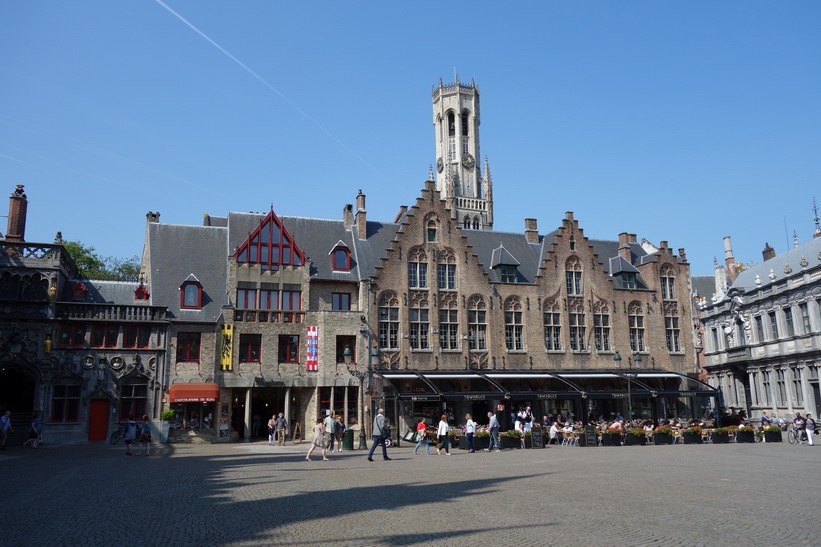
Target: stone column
(247, 417)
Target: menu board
(590, 436)
(536, 438)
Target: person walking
(422, 436)
(330, 429)
(809, 427)
(5, 429)
(272, 429)
(442, 433)
(339, 433)
(470, 430)
(281, 427)
(129, 434)
(318, 441)
(381, 431)
(493, 429)
(34, 431)
(145, 436)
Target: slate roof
(105, 292)
(178, 251)
(745, 281)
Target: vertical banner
(226, 347)
(311, 362)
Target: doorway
(98, 419)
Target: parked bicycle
(117, 435)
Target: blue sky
(677, 121)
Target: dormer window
(79, 291)
(628, 280)
(191, 295)
(141, 293)
(507, 274)
(341, 259)
(271, 246)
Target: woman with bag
(145, 436)
(442, 433)
(422, 435)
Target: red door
(98, 420)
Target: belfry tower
(466, 188)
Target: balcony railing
(110, 312)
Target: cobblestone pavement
(253, 494)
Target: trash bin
(347, 442)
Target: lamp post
(347, 354)
(630, 376)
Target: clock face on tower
(440, 165)
(468, 161)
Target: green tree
(93, 266)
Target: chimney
(347, 216)
(624, 247)
(402, 210)
(768, 252)
(531, 230)
(152, 217)
(18, 204)
(361, 217)
(729, 260)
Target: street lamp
(630, 376)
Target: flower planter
(720, 438)
(635, 440)
(662, 438)
(772, 437)
(745, 437)
(611, 440)
(510, 442)
(479, 443)
(692, 438)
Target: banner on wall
(313, 343)
(226, 347)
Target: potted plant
(481, 440)
(635, 436)
(166, 416)
(692, 435)
(772, 434)
(663, 435)
(511, 439)
(611, 437)
(745, 434)
(721, 435)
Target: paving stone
(254, 494)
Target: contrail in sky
(266, 84)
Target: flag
(313, 342)
(226, 347)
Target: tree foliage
(94, 266)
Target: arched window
(475, 223)
(341, 259)
(635, 319)
(601, 326)
(466, 222)
(388, 321)
(552, 326)
(671, 327)
(573, 276)
(431, 231)
(668, 283)
(477, 322)
(446, 270)
(465, 121)
(577, 326)
(417, 269)
(191, 295)
(513, 324)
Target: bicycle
(116, 435)
(794, 435)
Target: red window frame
(136, 337)
(288, 348)
(184, 289)
(341, 301)
(188, 346)
(71, 336)
(250, 348)
(341, 260)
